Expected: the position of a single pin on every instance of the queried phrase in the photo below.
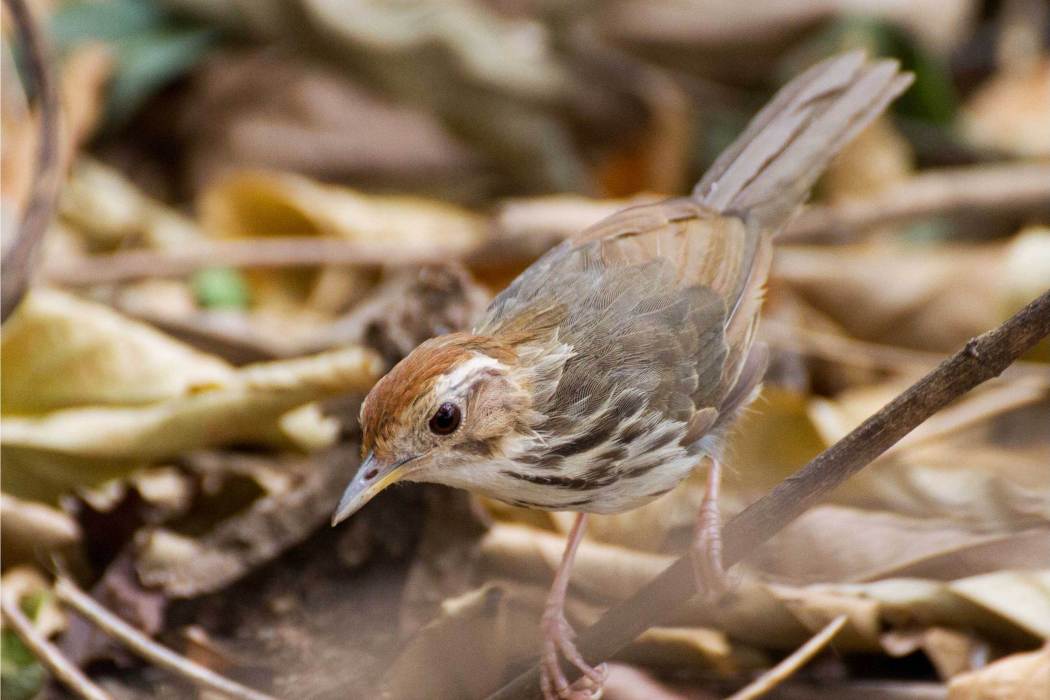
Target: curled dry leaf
(980, 462)
(894, 545)
(1021, 597)
(257, 203)
(61, 352)
(30, 530)
(250, 406)
(108, 393)
(1017, 677)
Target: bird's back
(656, 305)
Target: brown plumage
(599, 378)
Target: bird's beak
(372, 477)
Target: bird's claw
(708, 573)
(706, 554)
(557, 640)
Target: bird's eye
(445, 420)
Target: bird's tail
(768, 171)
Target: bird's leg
(707, 538)
(557, 634)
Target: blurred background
(266, 203)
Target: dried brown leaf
(1018, 677)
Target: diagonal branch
(984, 357)
(108, 622)
(18, 259)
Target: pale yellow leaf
(60, 351)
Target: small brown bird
(611, 367)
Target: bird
(613, 366)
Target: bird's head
(446, 408)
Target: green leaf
(77, 22)
(21, 675)
(932, 97)
(152, 45)
(148, 62)
(220, 288)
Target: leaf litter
(179, 411)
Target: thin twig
(786, 668)
(994, 189)
(270, 252)
(17, 264)
(983, 357)
(853, 352)
(1008, 188)
(69, 593)
(48, 654)
(845, 350)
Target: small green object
(220, 288)
(153, 46)
(932, 98)
(21, 675)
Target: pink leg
(707, 539)
(557, 634)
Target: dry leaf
(60, 352)
(601, 571)
(110, 210)
(1011, 111)
(950, 651)
(1017, 677)
(877, 159)
(267, 108)
(117, 394)
(937, 302)
(31, 530)
(300, 495)
(265, 203)
(894, 545)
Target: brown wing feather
(717, 245)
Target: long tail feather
(768, 171)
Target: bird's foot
(706, 553)
(557, 640)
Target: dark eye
(445, 420)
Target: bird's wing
(671, 291)
(636, 322)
